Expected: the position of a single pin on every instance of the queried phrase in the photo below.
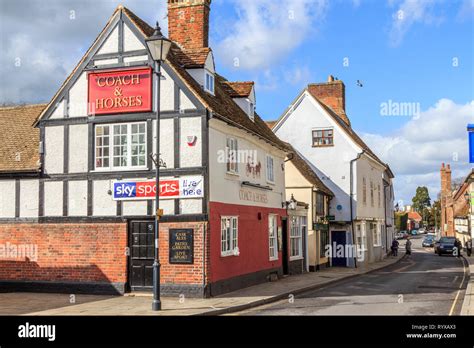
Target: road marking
(459, 291)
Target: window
(378, 195)
(319, 204)
(364, 191)
(273, 237)
(120, 146)
(376, 234)
(323, 137)
(232, 166)
(372, 193)
(251, 111)
(270, 171)
(229, 236)
(324, 241)
(209, 84)
(297, 230)
(361, 236)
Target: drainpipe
(351, 195)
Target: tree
(422, 199)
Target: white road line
(460, 287)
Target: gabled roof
(467, 180)
(238, 89)
(305, 169)
(192, 58)
(20, 140)
(413, 215)
(221, 104)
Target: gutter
(351, 195)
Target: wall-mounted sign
(251, 196)
(184, 187)
(181, 243)
(120, 91)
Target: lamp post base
(156, 305)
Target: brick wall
(447, 210)
(66, 252)
(188, 23)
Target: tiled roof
(191, 58)
(238, 89)
(305, 169)
(413, 215)
(270, 124)
(20, 140)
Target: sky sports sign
(185, 187)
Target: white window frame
(376, 234)
(251, 110)
(272, 237)
(209, 85)
(271, 179)
(230, 236)
(129, 166)
(232, 167)
(361, 234)
(297, 230)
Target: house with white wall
(317, 126)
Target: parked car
(445, 245)
(422, 230)
(401, 235)
(414, 232)
(428, 241)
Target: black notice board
(181, 244)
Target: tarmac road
(421, 284)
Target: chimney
(188, 23)
(333, 94)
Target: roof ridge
(18, 106)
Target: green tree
(422, 199)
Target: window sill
(296, 258)
(323, 145)
(227, 254)
(235, 174)
(124, 169)
(273, 258)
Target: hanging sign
(120, 91)
(184, 187)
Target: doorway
(141, 243)
(284, 246)
(338, 238)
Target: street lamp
(158, 47)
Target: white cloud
(415, 152)
(267, 30)
(408, 13)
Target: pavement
(468, 303)
(140, 304)
(421, 284)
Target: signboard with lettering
(184, 187)
(181, 243)
(120, 91)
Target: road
(422, 284)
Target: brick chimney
(333, 94)
(447, 209)
(188, 23)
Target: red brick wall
(67, 252)
(188, 22)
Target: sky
(414, 55)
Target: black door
(141, 241)
(284, 245)
(338, 237)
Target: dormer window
(209, 82)
(251, 111)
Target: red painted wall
(252, 241)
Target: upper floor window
(229, 236)
(379, 195)
(364, 191)
(232, 164)
(372, 193)
(319, 198)
(209, 82)
(120, 146)
(270, 170)
(251, 111)
(323, 137)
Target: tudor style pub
(77, 175)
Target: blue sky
(401, 50)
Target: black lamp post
(158, 47)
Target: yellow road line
(460, 287)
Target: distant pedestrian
(469, 247)
(395, 247)
(458, 245)
(408, 246)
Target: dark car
(428, 241)
(445, 245)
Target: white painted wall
(53, 198)
(190, 156)
(166, 141)
(103, 205)
(372, 172)
(226, 188)
(54, 150)
(166, 92)
(29, 194)
(133, 208)
(190, 206)
(130, 41)
(58, 111)
(78, 97)
(77, 203)
(78, 148)
(331, 163)
(101, 62)
(185, 102)
(7, 198)
(111, 43)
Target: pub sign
(181, 244)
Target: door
(141, 242)
(284, 245)
(338, 243)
